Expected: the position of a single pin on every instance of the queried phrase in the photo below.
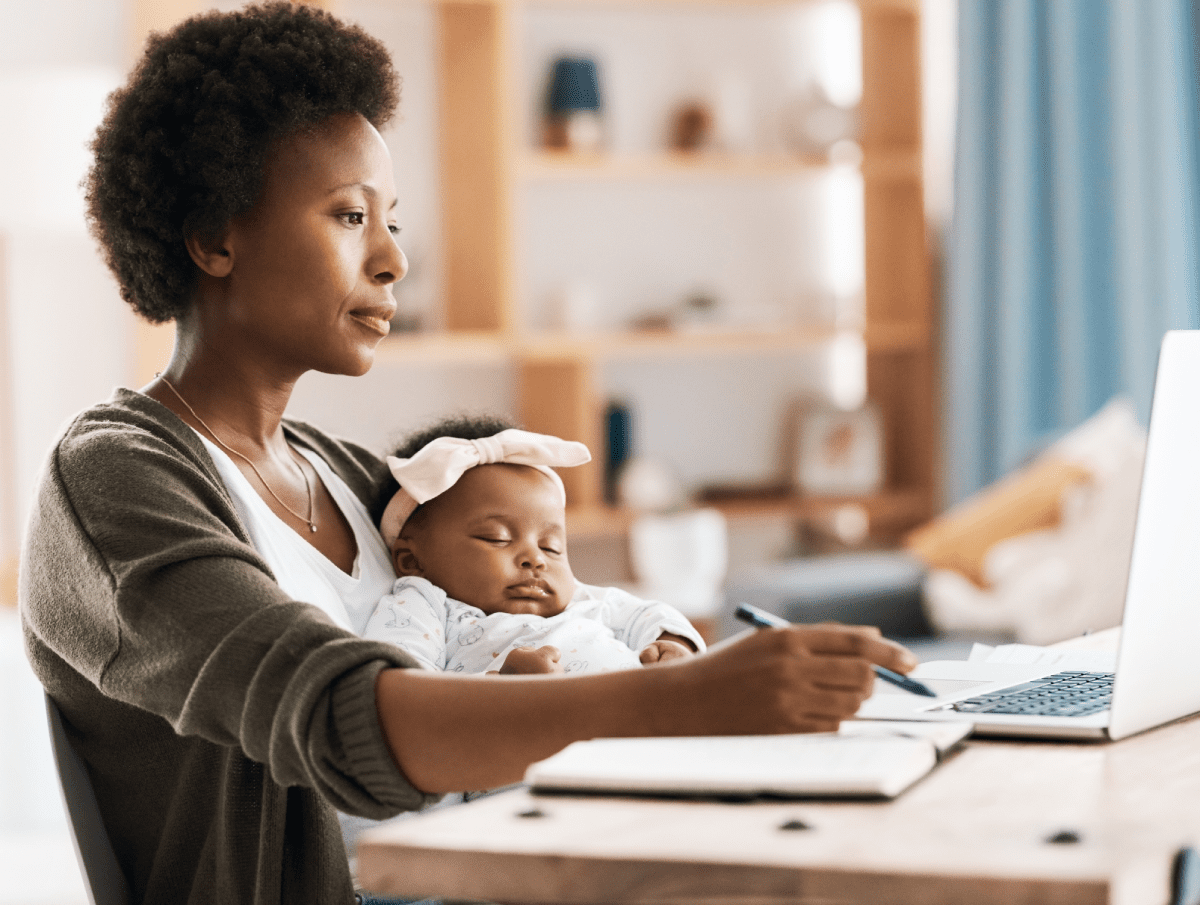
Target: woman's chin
(355, 364)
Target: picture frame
(839, 452)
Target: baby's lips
(528, 590)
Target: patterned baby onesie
(601, 630)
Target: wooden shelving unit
(558, 379)
(558, 375)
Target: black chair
(98, 862)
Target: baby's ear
(404, 558)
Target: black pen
(760, 619)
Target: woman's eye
(393, 229)
(354, 218)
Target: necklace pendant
(312, 528)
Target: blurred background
(857, 304)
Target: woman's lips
(376, 318)
(373, 322)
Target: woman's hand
(798, 679)
(530, 661)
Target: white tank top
(301, 569)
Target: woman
(197, 564)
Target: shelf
(669, 343)
(889, 509)
(493, 347)
(563, 166)
(907, 6)
(444, 347)
(560, 387)
(487, 347)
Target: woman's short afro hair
(183, 144)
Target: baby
(476, 525)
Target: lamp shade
(574, 85)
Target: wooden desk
(974, 831)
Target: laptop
(1154, 678)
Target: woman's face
(313, 261)
(497, 540)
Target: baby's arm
(658, 632)
(669, 646)
(527, 661)
(412, 617)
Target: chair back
(102, 874)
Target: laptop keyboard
(1062, 694)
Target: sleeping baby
(476, 525)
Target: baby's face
(496, 540)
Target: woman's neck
(231, 395)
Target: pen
(760, 619)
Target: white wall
(67, 334)
(65, 344)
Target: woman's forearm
(449, 732)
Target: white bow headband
(438, 465)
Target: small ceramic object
(646, 485)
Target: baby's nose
(532, 559)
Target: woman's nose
(388, 263)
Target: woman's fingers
(863, 642)
(840, 672)
(798, 679)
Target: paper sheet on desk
(1032, 655)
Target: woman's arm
(450, 732)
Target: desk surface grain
(974, 831)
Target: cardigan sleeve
(138, 574)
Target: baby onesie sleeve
(638, 623)
(413, 617)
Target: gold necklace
(312, 526)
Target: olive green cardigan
(221, 722)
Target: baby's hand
(524, 661)
(663, 650)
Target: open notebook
(789, 766)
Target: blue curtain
(1073, 244)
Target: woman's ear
(404, 558)
(211, 255)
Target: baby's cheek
(568, 585)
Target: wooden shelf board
(885, 509)
(910, 6)
(550, 166)
(452, 347)
(445, 347)
(669, 343)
